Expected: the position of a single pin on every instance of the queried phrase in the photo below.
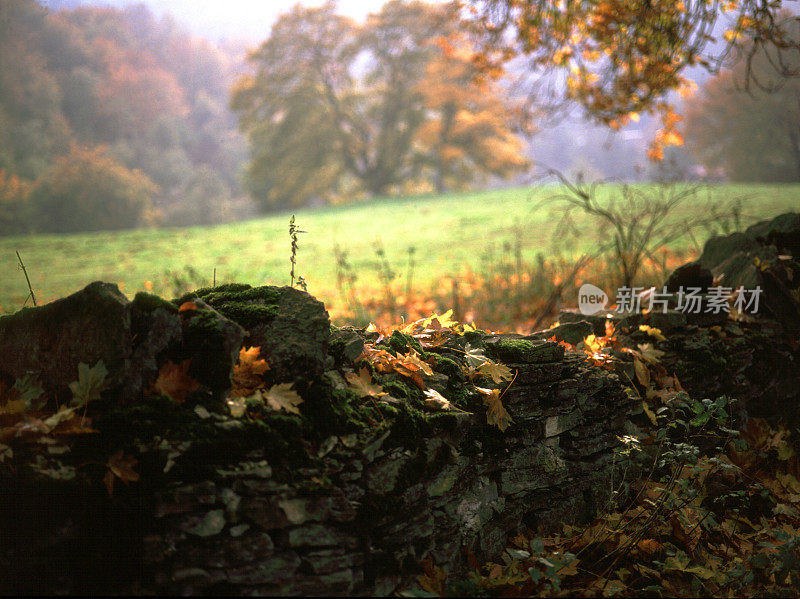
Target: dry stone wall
(278, 506)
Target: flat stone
(510, 349)
(571, 332)
(279, 566)
(318, 535)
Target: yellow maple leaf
(652, 331)
(498, 372)
(496, 413)
(283, 397)
(413, 362)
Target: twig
(214, 282)
(25, 270)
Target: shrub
(88, 190)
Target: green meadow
(449, 234)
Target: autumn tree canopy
(141, 86)
(620, 58)
(88, 190)
(374, 106)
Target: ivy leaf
(362, 384)
(247, 373)
(283, 397)
(121, 467)
(89, 384)
(496, 413)
(498, 372)
(174, 381)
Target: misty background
(136, 98)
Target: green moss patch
(526, 352)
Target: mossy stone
(522, 351)
(401, 343)
(212, 342)
(52, 340)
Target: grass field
(449, 234)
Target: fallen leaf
(650, 414)
(436, 401)
(174, 381)
(498, 372)
(649, 353)
(121, 467)
(441, 321)
(247, 373)
(15, 406)
(186, 306)
(496, 413)
(362, 384)
(412, 361)
(652, 331)
(64, 413)
(474, 356)
(89, 384)
(283, 397)
(649, 546)
(430, 338)
(433, 579)
(642, 373)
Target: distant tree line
(111, 119)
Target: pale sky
(249, 19)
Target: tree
(14, 205)
(469, 135)
(332, 101)
(32, 126)
(88, 190)
(750, 136)
(619, 58)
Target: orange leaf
(121, 467)
(174, 381)
(649, 546)
(247, 373)
(185, 306)
(362, 384)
